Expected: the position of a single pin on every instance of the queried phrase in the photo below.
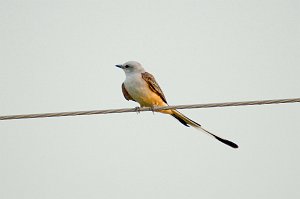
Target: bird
(141, 87)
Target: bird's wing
(126, 94)
(153, 85)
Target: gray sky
(60, 56)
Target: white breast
(139, 90)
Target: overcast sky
(60, 55)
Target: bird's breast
(139, 90)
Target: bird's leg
(137, 109)
(152, 109)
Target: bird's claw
(137, 110)
(152, 109)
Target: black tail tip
(227, 142)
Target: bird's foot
(152, 109)
(137, 110)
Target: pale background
(60, 56)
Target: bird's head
(131, 67)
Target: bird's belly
(141, 93)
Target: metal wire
(126, 110)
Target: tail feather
(180, 120)
(188, 122)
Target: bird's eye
(126, 66)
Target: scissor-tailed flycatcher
(140, 86)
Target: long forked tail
(188, 122)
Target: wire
(126, 110)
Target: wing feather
(153, 85)
(126, 94)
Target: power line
(126, 110)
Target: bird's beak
(119, 66)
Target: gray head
(132, 67)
